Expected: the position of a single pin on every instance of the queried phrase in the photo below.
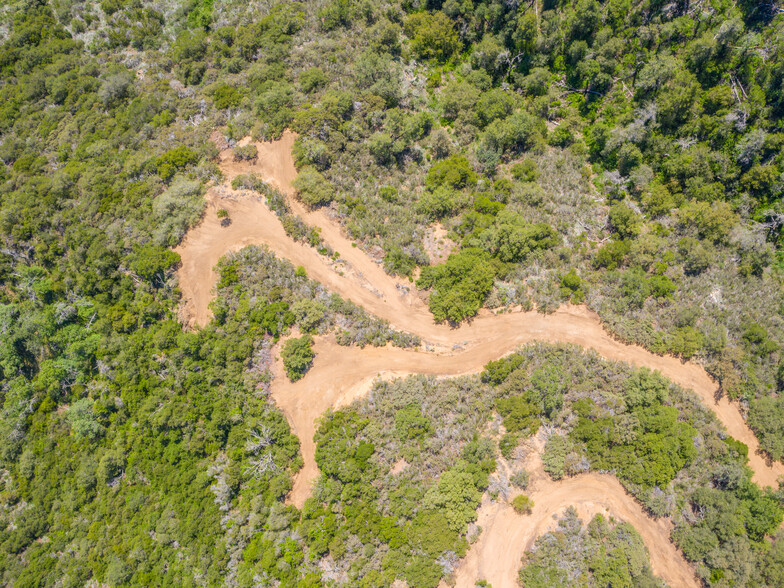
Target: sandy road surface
(338, 377)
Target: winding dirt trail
(338, 377)
(486, 337)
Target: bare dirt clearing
(340, 376)
(437, 245)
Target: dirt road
(340, 376)
(397, 301)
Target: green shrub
(572, 287)
(454, 172)
(525, 171)
(512, 239)
(225, 96)
(433, 36)
(611, 255)
(174, 160)
(554, 455)
(460, 285)
(624, 221)
(297, 356)
(523, 504)
(246, 153)
(312, 187)
(312, 79)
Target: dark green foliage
(454, 172)
(411, 424)
(649, 448)
(225, 96)
(297, 356)
(460, 285)
(572, 287)
(174, 160)
(153, 263)
(433, 36)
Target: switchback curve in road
(507, 535)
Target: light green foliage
(153, 263)
(312, 79)
(645, 388)
(454, 172)
(712, 222)
(650, 454)
(313, 188)
(173, 160)
(522, 504)
(246, 153)
(624, 221)
(512, 239)
(456, 494)
(611, 255)
(175, 209)
(381, 146)
(554, 456)
(83, 420)
(767, 419)
(309, 314)
(411, 424)
(516, 133)
(297, 356)
(600, 554)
